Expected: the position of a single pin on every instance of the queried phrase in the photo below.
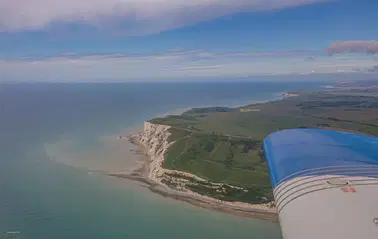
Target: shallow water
(55, 137)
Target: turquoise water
(53, 135)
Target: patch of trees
(323, 125)
(209, 110)
(229, 160)
(367, 103)
(209, 146)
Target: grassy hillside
(224, 144)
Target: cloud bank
(132, 16)
(176, 66)
(365, 47)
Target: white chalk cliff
(154, 139)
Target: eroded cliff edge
(154, 140)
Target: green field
(223, 145)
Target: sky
(136, 40)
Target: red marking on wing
(349, 189)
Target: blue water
(47, 193)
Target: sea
(57, 141)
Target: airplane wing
(325, 183)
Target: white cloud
(366, 47)
(131, 16)
(174, 65)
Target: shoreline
(202, 201)
(151, 171)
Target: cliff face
(155, 140)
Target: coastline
(251, 211)
(151, 172)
